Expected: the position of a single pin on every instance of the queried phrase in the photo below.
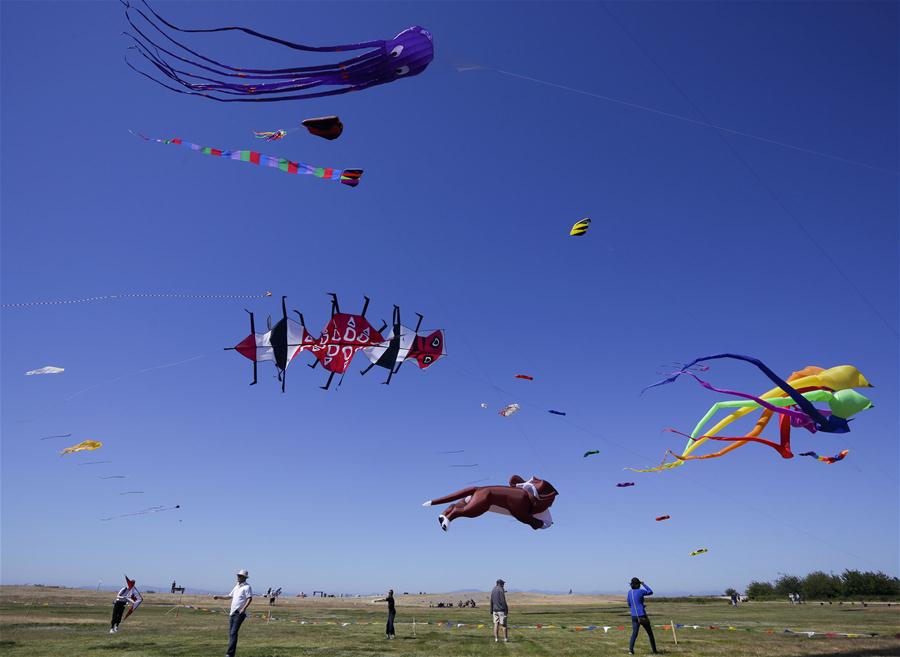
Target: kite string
(755, 174)
(679, 117)
(123, 376)
(159, 295)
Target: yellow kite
(84, 445)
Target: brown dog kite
(527, 501)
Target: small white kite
(46, 370)
(506, 411)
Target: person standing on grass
(499, 611)
(638, 613)
(241, 597)
(392, 613)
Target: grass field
(45, 622)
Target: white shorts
(499, 618)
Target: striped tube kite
(349, 177)
(793, 400)
(827, 459)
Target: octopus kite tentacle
(833, 386)
(800, 416)
(826, 424)
(382, 61)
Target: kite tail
(273, 135)
(798, 415)
(800, 400)
(785, 451)
(348, 177)
(452, 497)
(259, 35)
(827, 459)
(354, 73)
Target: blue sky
(472, 182)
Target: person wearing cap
(241, 597)
(639, 618)
(499, 611)
(127, 595)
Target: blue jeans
(236, 619)
(638, 622)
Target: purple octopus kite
(407, 54)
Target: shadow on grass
(129, 645)
(862, 652)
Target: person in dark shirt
(638, 613)
(499, 611)
(392, 612)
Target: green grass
(77, 626)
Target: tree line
(819, 585)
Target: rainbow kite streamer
(344, 176)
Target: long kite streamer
(381, 61)
(142, 512)
(827, 459)
(110, 297)
(349, 177)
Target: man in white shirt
(241, 597)
(127, 595)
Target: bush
(760, 591)
(818, 585)
(730, 592)
(787, 584)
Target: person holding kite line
(241, 597)
(127, 595)
(392, 613)
(638, 613)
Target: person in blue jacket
(638, 613)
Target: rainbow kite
(348, 177)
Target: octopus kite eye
(402, 70)
(396, 51)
